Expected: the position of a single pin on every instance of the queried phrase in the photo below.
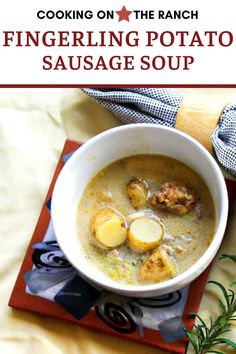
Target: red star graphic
(123, 14)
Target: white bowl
(108, 147)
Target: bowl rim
(197, 268)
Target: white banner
(117, 43)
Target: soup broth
(178, 203)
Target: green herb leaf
(222, 288)
(228, 256)
(192, 339)
(228, 342)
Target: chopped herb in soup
(145, 219)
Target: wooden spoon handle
(198, 116)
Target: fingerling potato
(158, 267)
(145, 234)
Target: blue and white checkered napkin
(160, 106)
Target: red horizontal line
(117, 86)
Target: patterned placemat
(48, 285)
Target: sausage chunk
(174, 196)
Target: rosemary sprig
(229, 256)
(205, 337)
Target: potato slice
(137, 190)
(102, 216)
(111, 233)
(144, 234)
(108, 228)
(158, 267)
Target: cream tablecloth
(34, 124)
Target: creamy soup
(145, 219)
